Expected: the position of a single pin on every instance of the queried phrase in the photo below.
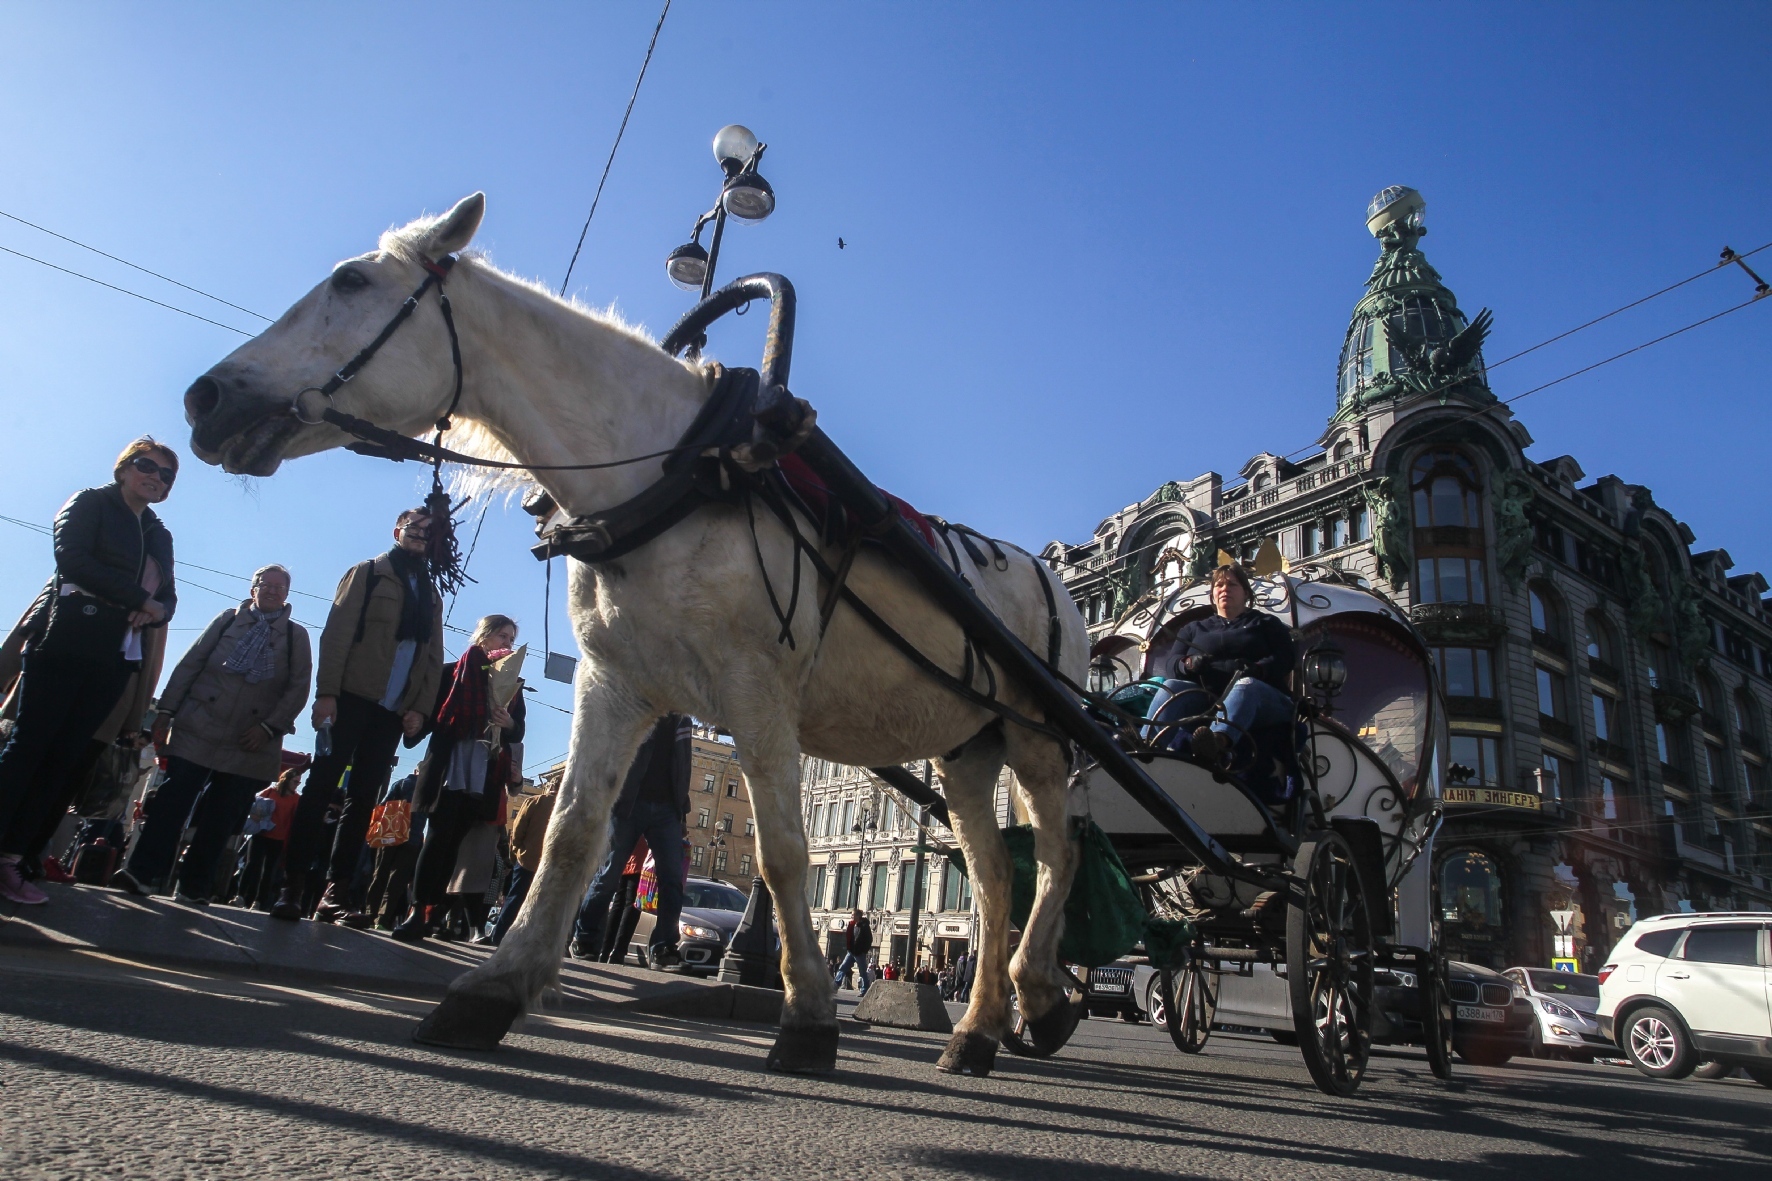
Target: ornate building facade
(1607, 686)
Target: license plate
(1477, 1013)
(1107, 987)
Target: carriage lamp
(687, 266)
(1326, 669)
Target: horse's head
(241, 411)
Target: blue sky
(1091, 247)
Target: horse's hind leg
(480, 1006)
(769, 750)
(1041, 770)
(970, 781)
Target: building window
(744, 865)
(830, 820)
(1546, 619)
(701, 818)
(1261, 480)
(848, 886)
(889, 816)
(1661, 666)
(1753, 785)
(1451, 580)
(1714, 762)
(1605, 718)
(726, 822)
(1445, 490)
(1360, 524)
(907, 876)
(1343, 450)
(957, 890)
(1310, 539)
(732, 789)
(1608, 798)
(1602, 641)
(719, 859)
(1356, 357)
(877, 887)
(707, 783)
(1478, 755)
(750, 826)
(848, 818)
(1559, 780)
(1744, 715)
(1338, 532)
(1470, 890)
(816, 881)
(1466, 672)
(817, 828)
(1552, 699)
(695, 856)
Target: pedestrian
(220, 725)
(462, 784)
(624, 910)
(264, 852)
(653, 803)
(529, 827)
(390, 886)
(380, 661)
(858, 940)
(114, 578)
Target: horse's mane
(472, 438)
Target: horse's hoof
(969, 1053)
(464, 1022)
(1047, 1034)
(805, 1049)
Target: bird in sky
(841, 244)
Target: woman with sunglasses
(113, 578)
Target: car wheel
(1713, 1069)
(1656, 1044)
(1760, 1074)
(1535, 1046)
(1159, 1012)
(1485, 1053)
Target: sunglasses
(148, 467)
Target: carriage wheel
(1436, 1018)
(1329, 956)
(1189, 997)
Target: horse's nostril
(201, 399)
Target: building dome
(1407, 335)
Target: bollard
(751, 957)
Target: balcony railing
(1285, 490)
(1555, 728)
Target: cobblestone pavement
(114, 1070)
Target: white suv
(1683, 988)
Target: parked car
(1681, 989)
(1492, 1021)
(711, 912)
(1126, 988)
(1565, 1004)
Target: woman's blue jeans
(1252, 703)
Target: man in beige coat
(381, 660)
(221, 723)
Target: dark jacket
(859, 939)
(100, 547)
(1256, 641)
(660, 767)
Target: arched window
(1261, 480)
(1547, 613)
(1602, 641)
(1446, 494)
(1744, 714)
(1710, 698)
(1470, 891)
(1344, 450)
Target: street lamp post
(917, 881)
(714, 846)
(744, 194)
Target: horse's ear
(456, 228)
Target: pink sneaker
(15, 889)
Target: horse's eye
(347, 279)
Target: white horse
(682, 623)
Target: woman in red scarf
(462, 780)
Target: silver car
(1565, 1004)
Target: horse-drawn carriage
(687, 596)
(1340, 796)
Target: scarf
(415, 595)
(252, 654)
(463, 712)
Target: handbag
(85, 627)
(646, 895)
(261, 818)
(390, 824)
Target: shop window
(1470, 890)
(1480, 756)
(1466, 672)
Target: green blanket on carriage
(1104, 918)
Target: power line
(144, 270)
(124, 290)
(620, 131)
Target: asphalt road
(112, 1070)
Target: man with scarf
(381, 659)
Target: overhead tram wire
(133, 266)
(619, 132)
(124, 290)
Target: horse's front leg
(480, 1006)
(769, 749)
(969, 780)
(1040, 987)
